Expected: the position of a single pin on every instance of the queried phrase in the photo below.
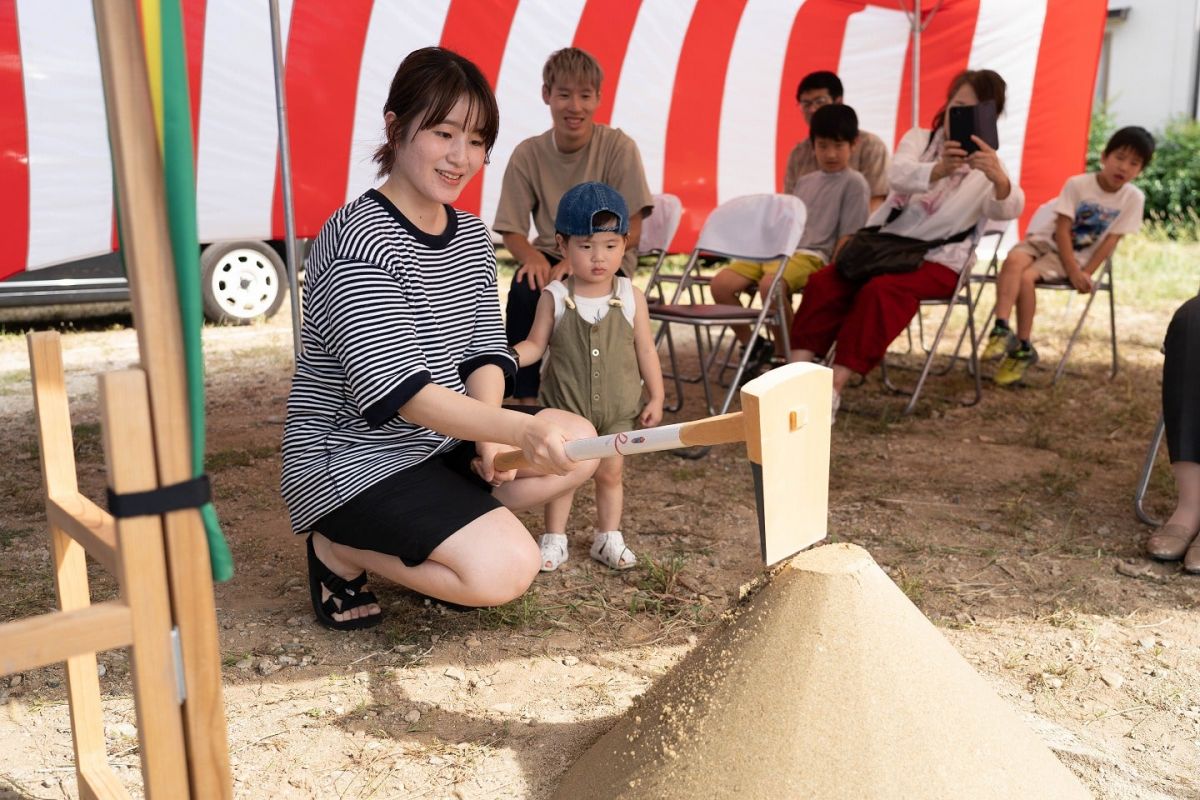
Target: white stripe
(539, 27)
(642, 105)
(872, 67)
(394, 32)
(238, 134)
(750, 108)
(70, 169)
(999, 29)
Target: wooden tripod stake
(166, 612)
(784, 421)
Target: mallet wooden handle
(721, 429)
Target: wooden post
(129, 453)
(788, 412)
(137, 167)
(94, 776)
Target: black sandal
(344, 595)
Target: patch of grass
(9, 535)
(1060, 483)
(87, 440)
(661, 576)
(913, 587)
(1015, 658)
(686, 473)
(241, 457)
(1172, 265)
(230, 659)
(525, 611)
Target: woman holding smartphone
(938, 190)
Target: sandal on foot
(554, 550)
(609, 548)
(1170, 542)
(344, 595)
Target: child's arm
(1066, 254)
(1102, 252)
(534, 346)
(648, 363)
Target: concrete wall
(1151, 61)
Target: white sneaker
(837, 403)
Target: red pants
(864, 318)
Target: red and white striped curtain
(705, 87)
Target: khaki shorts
(795, 272)
(1046, 262)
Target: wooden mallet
(784, 422)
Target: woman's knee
(502, 573)
(575, 426)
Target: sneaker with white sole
(1001, 342)
(1014, 366)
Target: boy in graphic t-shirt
(1091, 214)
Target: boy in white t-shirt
(1091, 214)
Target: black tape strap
(188, 494)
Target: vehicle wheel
(241, 281)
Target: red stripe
(695, 119)
(193, 40)
(14, 148)
(604, 30)
(945, 52)
(815, 43)
(1061, 106)
(324, 53)
(479, 31)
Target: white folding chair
(961, 295)
(658, 230)
(760, 227)
(1103, 282)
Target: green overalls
(592, 368)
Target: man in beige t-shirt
(541, 169)
(869, 156)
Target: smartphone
(978, 120)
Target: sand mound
(827, 683)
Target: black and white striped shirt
(388, 309)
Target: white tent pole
(285, 174)
(915, 21)
(917, 27)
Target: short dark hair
(835, 121)
(1137, 139)
(822, 79)
(425, 89)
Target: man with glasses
(869, 156)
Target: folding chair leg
(1112, 322)
(666, 326)
(1139, 494)
(927, 367)
(973, 363)
(1062, 362)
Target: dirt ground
(1009, 524)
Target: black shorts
(409, 514)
